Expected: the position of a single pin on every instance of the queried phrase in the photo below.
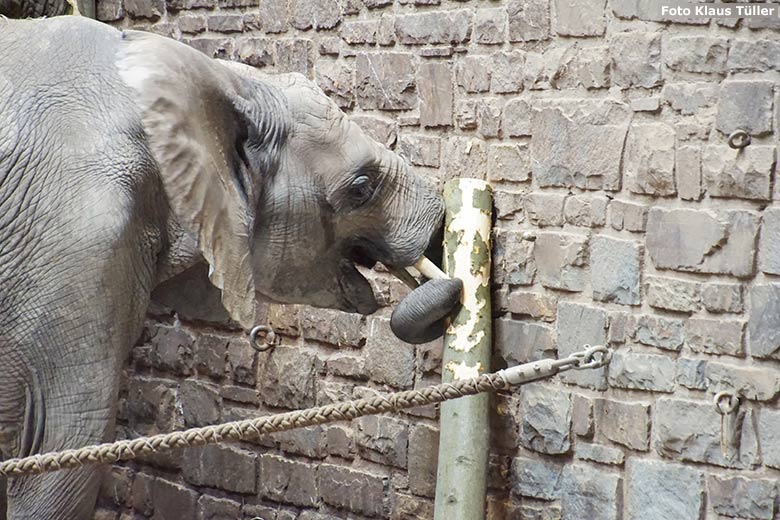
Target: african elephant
(125, 158)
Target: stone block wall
(622, 218)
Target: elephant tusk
(405, 276)
(430, 270)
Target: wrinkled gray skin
(33, 8)
(124, 161)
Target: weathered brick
(420, 150)
(489, 117)
(536, 478)
(769, 242)
(309, 442)
(649, 159)
(381, 129)
(581, 415)
(635, 371)
(509, 162)
(615, 270)
(590, 493)
(388, 359)
(423, 459)
(743, 174)
(319, 14)
(722, 297)
(533, 304)
(754, 55)
(646, 104)
(172, 350)
(200, 403)
(109, 10)
(490, 26)
(577, 325)
(764, 322)
(474, 73)
(599, 453)
(673, 294)
(140, 9)
(625, 423)
(288, 481)
(191, 23)
(257, 52)
(385, 81)
(435, 27)
(580, 17)
(561, 260)
(618, 327)
(225, 23)
(434, 86)
(690, 431)
(745, 105)
(655, 331)
(627, 215)
(690, 98)
(528, 20)
(383, 440)
(340, 441)
(359, 32)
(691, 373)
(716, 242)
(464, 157)
(518, 342)
(508, 203)
(586, 210)
(769, 435)
(295, 55)
(722, 337)
(545, 209)
(223, 467)
(353, 490)
(636, 59)
(657, 489)
(334, 327)
(330, 45)
(737, 496)
(696, 54)
(410, 507)
(546, 421)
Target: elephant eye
(360, 190)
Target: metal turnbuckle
(592, 357)
(268, 341)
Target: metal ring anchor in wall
(262, 338)
(739, 139)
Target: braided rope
(249, 428)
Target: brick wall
(622, 218)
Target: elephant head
(282, 192)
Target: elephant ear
(198, 117)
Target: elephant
(126, 158)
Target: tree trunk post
(463, 441)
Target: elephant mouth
(356, 291)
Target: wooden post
(463, 441)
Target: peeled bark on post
(463, 441)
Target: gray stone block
(172, 500)
(673, 294)
(286, 377)
(745, 174)
(581, 415)
(690, 98)
(634, 371)
(536, 478)
(529, 20)
(423, 459)
(745, 105)
(359, 32)
(649, 159)
(737, 496)
(288, 481)
(545, 209)
(723, 337)
(388, 359)
(436, 27)
(754, 55)
(580, 17)
(513, 260)
(577, 325)
(336, 80)
(755, 383)
(223, 467)
(696, 54)
(590, 493)
(353, 490)
(655, 331)
(615, 270)
(474, 73)
(383, 440)
(691, 373)
(636, 59)
(420, 150)
(657, 490)
(625, 423)
(586, 210)
(508, 204)
(546, 420)
(764, 321)
(464, 157)
(434, 87)
(334, 327)
(509, 162)
(769, 437)
(519, 342)
(723, 297)
(490, 26)
(720, 243)
(489, 117)
(599, 453)
(769, 242)
(629, 216)
(536, 305)
(385, 81)
(516, 118)
(561, 260)
(507, 72)
(688, 172)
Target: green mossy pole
(463, 441)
